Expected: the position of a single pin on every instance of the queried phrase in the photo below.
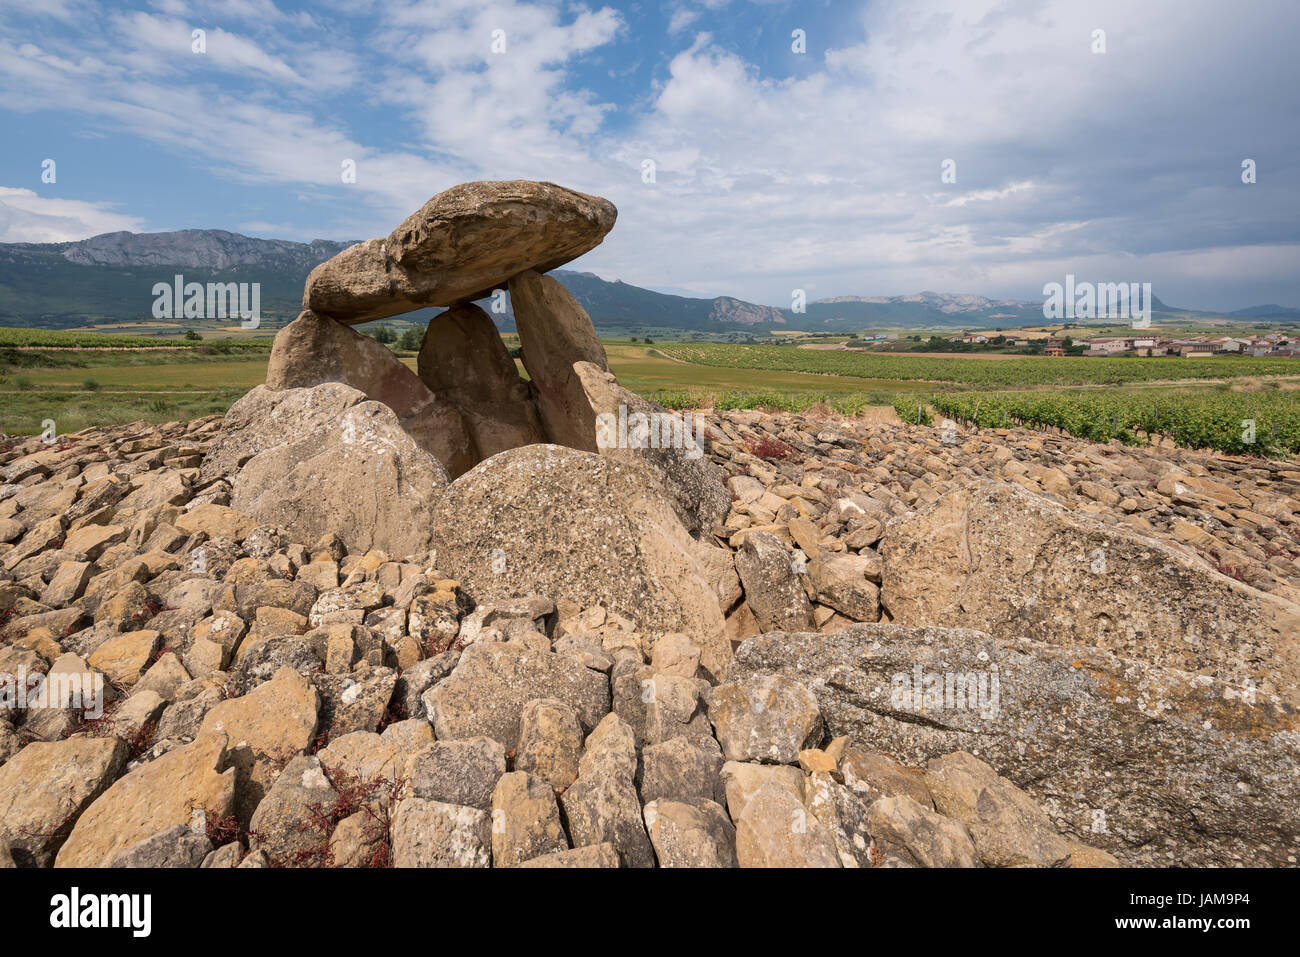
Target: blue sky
(774, 170)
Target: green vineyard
(978, 373)
(14, 338)
(1258, 423)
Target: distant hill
(109, 279)
(1270, 311)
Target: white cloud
(26, 217)
(827, 179)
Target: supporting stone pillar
(465, 364)
(314, 349)
(556, 332)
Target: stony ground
(1242, 515)
(287, 703)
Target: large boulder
(314, 349)
(673, 449)
(555, 332)
(567, 524)
(46, 786)
(264, 418)
(1158, 766)
(187, 786)
(465, 364)
(460, 245)
(359, 475)
(1014, 564)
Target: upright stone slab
(671, 446)
(314, 349)
(466, 365)
(555, 332)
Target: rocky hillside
(281, 701)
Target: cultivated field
(1234, 404)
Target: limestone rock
(602, 805)
(691, 835)
(572, 525)
(362, 477)
(154, 796)
(314, 349)
(841, 582)
(46, 785)
(487, 692)
(461, 772)
(465, 365)
(691, 481)
(1177, 768)
(550, 742)
(772, 591)
(461, 245)
(1007, 826)
(683, 770)
(525, 820)
(906, 833)
(1003, 560)
(274, 720)
(177, 846)
(285, 826)
(776, 830)
(434, 834)
(764, 718)
(592, 855)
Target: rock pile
(273, 700)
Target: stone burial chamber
(465, 402)
(355, 451)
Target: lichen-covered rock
(772, 591)
(1177, 768)
(525, 820)
(1017, 565)
(573, 525)
(314, 349)
(460, 245)
(674, 456)
(486, 694)
(461, 772)
(361, 476)
(602, 806)
(433, 834)
(766, 718)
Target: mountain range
(108, 279)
